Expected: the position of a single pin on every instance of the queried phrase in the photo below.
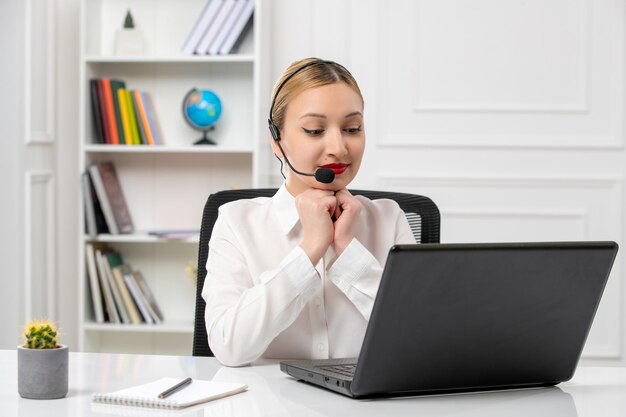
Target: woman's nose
(336, 144)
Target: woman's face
(323, 128)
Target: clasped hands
(316, 209)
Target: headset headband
(273, 127)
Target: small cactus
(41, 334)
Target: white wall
(38, 166)
(508, 114)
(10, 163)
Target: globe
(201, 110)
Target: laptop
(452, 318)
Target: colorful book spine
(121, 99)
(103, 115)
(134, 130)
(110, 111)
(115, 86)
(153, 122)
(139, 98)
(143, 139)
(95, 111)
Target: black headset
(273, 128)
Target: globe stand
(204, 140)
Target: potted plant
(129, 39)
(42, 363)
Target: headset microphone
(323, 175)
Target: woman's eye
(353, 130)
(314, 132)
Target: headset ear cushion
(274, 130)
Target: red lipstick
(337, 168)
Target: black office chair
(421, 212)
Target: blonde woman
(294, 276)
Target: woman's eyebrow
(320, 116)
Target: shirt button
(318, 301)
(321, 347)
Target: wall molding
(32, 136)
(32, 180)
(596, 109)
(579, 108)
(545, 181)
(541, 142)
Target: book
(110, 111)
(119, 272)
(239, 29)
(153, 306)
(94, 283)
(146, 395)
(125, 116)
(90, 212)
(143, 139)
(111, 259)
(142, 303)
(95, 111)
(105, 285)
(111, 198)
(101, 224)
(143, 117)
(214, 48)
(202, 24)
(104, 121)
(153, 121)
(134, 130)
(117, 85)
(216, 26)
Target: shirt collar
(285, 208)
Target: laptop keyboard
(346, 370)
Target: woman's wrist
(313, 251)
(341, 244)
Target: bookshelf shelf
(139, 238)
(108, 59)
(166, 186)
(167, 327)
(165, 149)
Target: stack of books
(122, 116)
(119, 295)
(106, 210)
(220, 28)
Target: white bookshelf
(166, 186)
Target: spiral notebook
(146, 395)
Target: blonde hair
(296, 78)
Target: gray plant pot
(42, 373)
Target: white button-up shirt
(266, 299)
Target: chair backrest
(421, 212)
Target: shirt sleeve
(242, 318)
(356, 272)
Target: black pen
(182, 384)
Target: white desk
(592, 392)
